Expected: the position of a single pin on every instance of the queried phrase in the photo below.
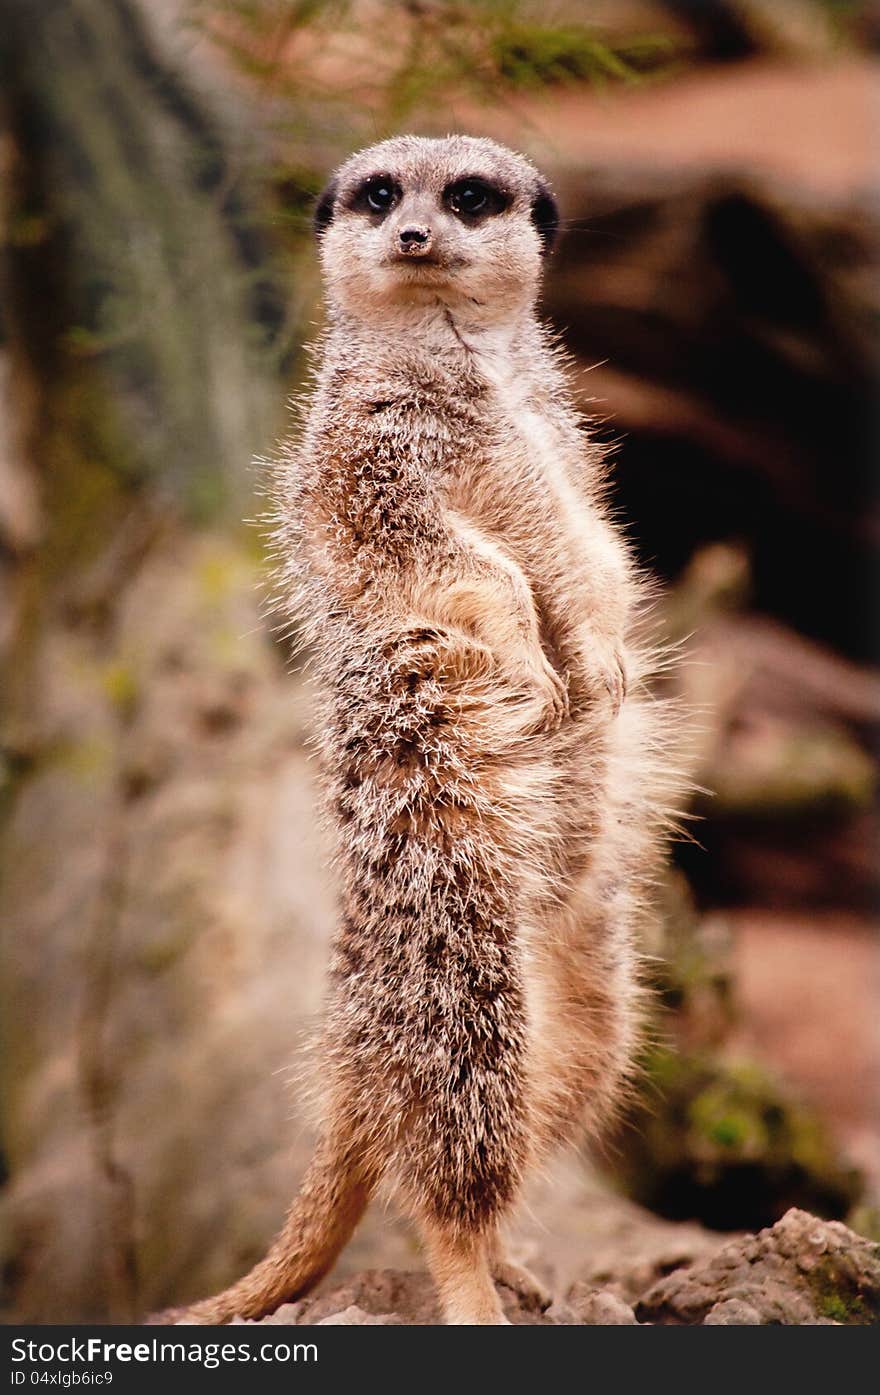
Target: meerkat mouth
(420, 263)
(425, 262)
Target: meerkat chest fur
(477, 425)
(536, 489)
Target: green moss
(729, 1132)
(834, 1307)
(724, 1143)
(837, 1296)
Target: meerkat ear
(323, 216)
(545, 216)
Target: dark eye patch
(472, 199)
(376, 195)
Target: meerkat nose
(414, 239)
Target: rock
(179, 958)
(787, 748)
(595, 1308)
(562, 1314)
(684, 274)
(800, 1271)
(353, 1316)
(377, 1293)
(733, 1312)
(285, 1316)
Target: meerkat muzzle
(415, 240)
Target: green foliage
(404, 63)
(723, 1142)
(530, 55)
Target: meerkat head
(460, 222)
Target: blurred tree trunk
(147, 729)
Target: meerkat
(492, 763)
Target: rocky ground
(801, 1271)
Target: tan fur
(494, 768)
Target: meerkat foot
(463, 1313)
(521, 1281)
(461, 1270)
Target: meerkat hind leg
(461, 1268)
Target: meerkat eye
(473, 198)
(468, 198)
(377, 195)
(380, 196)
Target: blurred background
(164, 900)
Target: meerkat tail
(334, 1194)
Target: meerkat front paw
(602, 674)
(551, 693)
(615, 678)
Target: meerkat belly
(572, 964)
